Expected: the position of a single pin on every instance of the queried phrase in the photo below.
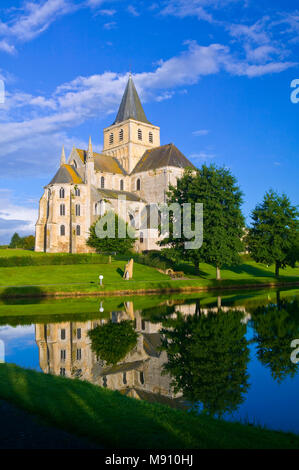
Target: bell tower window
(139, 134)
(102, 182)
(150, 137)
(121, 135)
(138, 185)
(61, 193)
(111, 138)
(121, 185)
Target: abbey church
(133, 167)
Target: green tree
(207, 359)
(29, 242)
(276, 325)
(113, 341)
(112, 242)
(223, 222)
(274, 234)
(16, 241)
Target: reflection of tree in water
(275, 327)
(207, 358)
(113, 341)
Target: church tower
(131, 134)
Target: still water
(226, 355)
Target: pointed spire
(62, 158)
(130, 106)
(89, 150)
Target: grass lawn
(36, 280)
(116, 421)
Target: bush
(54, 259)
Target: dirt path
(20, 430)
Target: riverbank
(80, 280)
(113, 420)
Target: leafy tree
(113, 243)
(113, 341)
(29, 242)
(274, 235)
(16, 241)
(223, 221)
(207, 359)
(276, 325)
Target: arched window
(150, 137)
(61, 193)
(132, 221)
(124, 378)
(138, 185)
(78, 230)
(141, 377)
(77, 209)
(102, 182)
(62, 209)
(141, 237)
(77, 192)
(121, 185)
(121, 135)
(62, 230)
(111, 138)
(139, 134)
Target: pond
(226, 354)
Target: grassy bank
(116, 421)
(41, 280)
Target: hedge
(54, 259)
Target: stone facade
(133, 166)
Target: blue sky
(215, 75)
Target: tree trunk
(219, 302)
(277, 266)
(218, 276)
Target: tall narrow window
(77, 192)
(78, 209)
(141, 377)
(121, 185)
(78, 333)
(124, 378)
(141, 237)
(75, 163)
(139, 134)
(111, 138)
(78, 230)
(138, 185)
(150, 137)
(62, 354)
(62, 371)
(102, 182)
(62, 209)
(79, 354)
(61, 193)
(62, 334)
(121, 135)
(62, 230)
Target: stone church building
(133, 167)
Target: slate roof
(114, 194)
(66, 174)
(159, 157)
(130, 106)
(102, 162)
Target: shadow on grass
(30, 295)
(253, 271)
(120, 272)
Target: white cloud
(202, 156)
(110, 25)
(131, 9)
(201, 132)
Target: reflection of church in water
(65, 349)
